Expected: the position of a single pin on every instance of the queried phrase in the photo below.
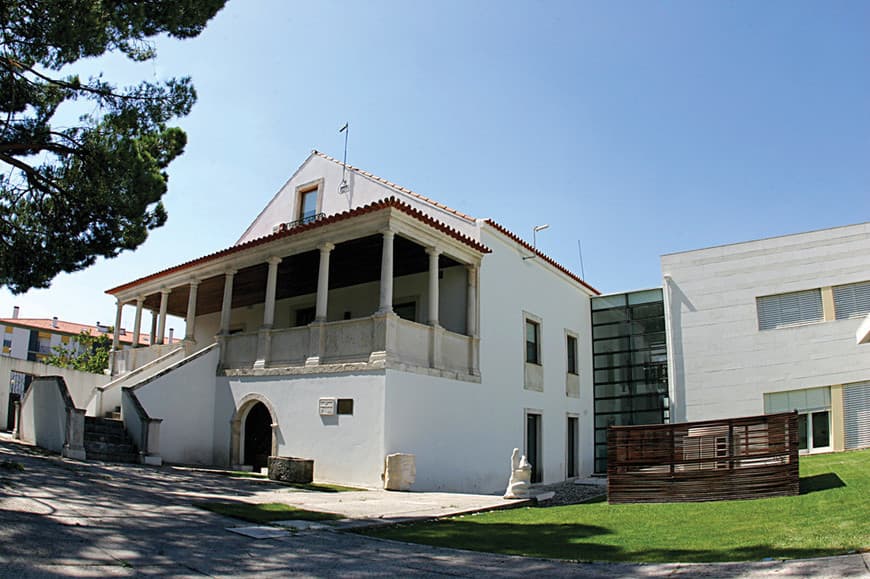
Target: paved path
(75, 519)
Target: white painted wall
(44, 415)
(80, 384)
(347, 448)
(363, 190)
(471, 429)
(721, 363)
(185, 399)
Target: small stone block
(259, 532)
(545, 496)
(289, 469)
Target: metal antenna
(343, 187)
(580, 251)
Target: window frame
(530, 320)
(849, 306)
(771, 311)
(572, 353)
(315, 187)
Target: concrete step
(105, 439)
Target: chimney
(123, 332)
(171, 333)
(54, 322)
(15, 311)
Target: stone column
(386, 294)
(264, 339)
(137, 323)
(153, 333)
(116, 333)
(471, 301)
(161, 322)
(191, 311)
(323, 282)
(271, 289)
(227, 305)
(116, 338)
(434, 254)
(471, 325)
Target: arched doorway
(258, 436)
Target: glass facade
(630, 363)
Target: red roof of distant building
(69, 328)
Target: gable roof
(392, 185)
(389, 202)
(71, 328)
(517, 239)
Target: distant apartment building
(35, 338)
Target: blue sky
(637, 128)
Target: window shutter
(852, 301)
(789, 309)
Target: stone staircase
(105, 439)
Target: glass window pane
(821, 429)
(607, 302)
(653, 295)
(309, 205)
(609, 316)
(572, 354)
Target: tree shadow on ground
(584, 543)
(820, 482)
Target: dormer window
(307, 205)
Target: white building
(35, 339)
(771, 325)
(355, 318)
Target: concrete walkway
(63, 518)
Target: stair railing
(144, 430)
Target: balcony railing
(361, 340)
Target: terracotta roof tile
(71, 328)
(510, 234)
(395, 186)
(281, 234)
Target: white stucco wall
(44, 415)
(471, 429)
(363, 190)
(721, 363)
(80, 384)
(345, 448)
(185, 399)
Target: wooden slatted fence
(737, 458)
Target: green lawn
(830, 517)
(264, 513)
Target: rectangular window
(791, 309)
(533, 334)
(852, 300)
(345, 406)
(572, 354)
(307, 205)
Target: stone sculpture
(521, 477)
